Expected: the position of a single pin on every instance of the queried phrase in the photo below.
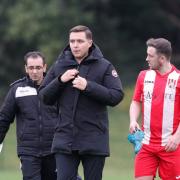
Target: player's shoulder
(18, 81)
(142, 73)
(176, 74)
(177, 71)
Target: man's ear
(44, 68)
(90, 43)
(163, 58)
(26, 70)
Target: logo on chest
(25, 91)
(171, 83)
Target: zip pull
(77, 68)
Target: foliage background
(120, 28)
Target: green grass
(15, 175)
(119, 166)
(10, 175)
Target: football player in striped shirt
(157, 98)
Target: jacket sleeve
(51, 87)
(110, 92)
(7, 113)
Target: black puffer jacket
(35, 122)
(83, 123)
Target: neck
(79, 60)
(165, 68)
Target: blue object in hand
(136, 139)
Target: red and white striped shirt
(160, 97)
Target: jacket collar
(30, 82)
(68, 59)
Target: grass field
(119, 166)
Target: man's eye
(30, 67)
(35, 67)
(39, 67)
(80, 41)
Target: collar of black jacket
(29, 81)
(68, 59)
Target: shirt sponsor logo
(25, 91)
(148, 95)
(178, 177)
(147, 81)
(169, 96)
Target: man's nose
(34, 70)
(75, 44)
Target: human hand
(79, 83)
(69, 75)
(172, 144)
(136, 139)
(133, 126)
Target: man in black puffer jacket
(83, 83)
(35, 121)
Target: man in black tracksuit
(35, 121)
(83, 83)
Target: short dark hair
(81, 28)
(161, 45)
(34, 55)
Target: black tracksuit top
(35, 121)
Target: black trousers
(67, 166)
(38, 168)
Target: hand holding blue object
(136, 139)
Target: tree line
(120, 29)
